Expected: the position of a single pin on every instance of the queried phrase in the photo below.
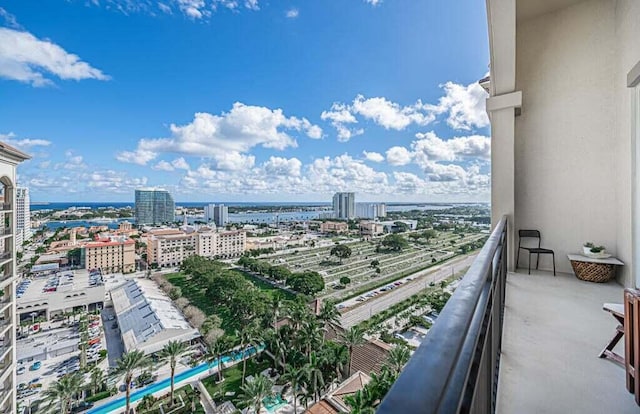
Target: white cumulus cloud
(398, 156)
(292, 13)
(373, 156)
(465, 106)
(25, 58)
(227, 135)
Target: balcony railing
(5, 231)
(4, 256)
(455, 370)
(5, 206)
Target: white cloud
(163, 165)
(180, 163)
(282, 166)
(398, 156)
(431, 147)
(235, 161)
(292, 13)
(25, 143)
(217, 136)
(111, 181)
(373, 156)
(465, 106)
(391, 115)
(72, 162)
(340, 115)
(373, 2)
(25, 58)
(9, 19)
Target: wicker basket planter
(593, 272)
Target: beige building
(9, 159)
(334, 227)
(111, 256)
(371, 228)
(170, 247)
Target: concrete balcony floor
(554, 330)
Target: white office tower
(217, 213)
(371, 210)
(9, 159)
(344, 205)
(23, 217)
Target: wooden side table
(617, 311)
(594, 270)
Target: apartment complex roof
(147, 317)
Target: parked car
(36, 366)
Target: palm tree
(250, 334)
(212, 322)
(352, 338)
(295, 376)
(313, 375)
(329, 314)
(254, 392)
(338, 355)
(276, 309)
(215, 351)
(398, 357)
(171, 352)
(97, 379)
(126, 367)
(60, 393)
(309, 335)
(360, 402)
(279, 350)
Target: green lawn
(266, 287)
(233, 380)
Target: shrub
(98, 396)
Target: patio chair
(533, 234)
(632, 341)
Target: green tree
(175, 293)
(60, 393)
(96, 379)
(215, 351)
(395, 242)
(344, 280)
(314, 378)
(360, 402)
(375, 263)
(352, 338)
(398, 357)
(329, 313)
(295, 377)
(171, 352)
(255, 391)
(126, 368)
(341, 251)
(308, 283)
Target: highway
(361, 311)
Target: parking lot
(115, 347)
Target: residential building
(23, 217)
(147, 318)
(9, 159)
(222, 244)
(371, 228)
(216, 213)
(110, 255)
(334, 227)
(564, 106)
(169, 247)
(371, 210)
(344, 205)
(393, 227)
(154, 207)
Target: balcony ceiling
(526, 9)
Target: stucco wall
(627, 26)
(566, 167)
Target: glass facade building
(154, 207)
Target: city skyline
(391, 110)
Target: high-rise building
(344, 205)
(154, 206)
(9, 159)
(371, 210)
(23, 217)
(217, 213)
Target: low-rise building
(334, 227)
(111, 255)
(170, 247)
(147, 318)
(371, 228)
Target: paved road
(364, 310)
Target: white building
(23, 217)
(147, 318)
(216, 213)
(344, 205)
(9, 159)
(371, 210)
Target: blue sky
(247, 100)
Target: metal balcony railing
(4, 256)
(455, 369)
(5, 206)
(5, 231)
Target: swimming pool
(115, 405)
(273, 403)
